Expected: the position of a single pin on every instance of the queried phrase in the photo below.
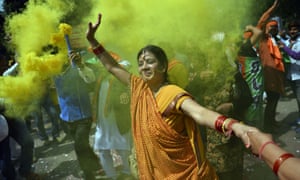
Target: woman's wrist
(236, 127)
(230, 124)
(94, 43)
(224, 124)
(99, 49)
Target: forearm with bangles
(224, 124)
(99, 49)
(103, 55)
(273, 155)
(262, 147)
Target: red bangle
(98, 50)
(280, 160)
(262, 147)
(219, 122)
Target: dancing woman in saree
(165, 117)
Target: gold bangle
(224, 125)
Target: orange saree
(167, 147)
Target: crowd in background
(267, 60)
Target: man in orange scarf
(273, 67)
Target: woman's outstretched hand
(241, 131)
(92, 28)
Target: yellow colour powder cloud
(30, 32)
(189, 26)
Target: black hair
(294, 23)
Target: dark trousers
(19, 132)
(88, 160)
(270, 110)
(295, 85)
(7, 168)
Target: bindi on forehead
(143, 55)
(146, 55)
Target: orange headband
(271, 23)
(247, 34)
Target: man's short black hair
(294, 23)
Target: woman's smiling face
(148, 65)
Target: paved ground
(285, 135)
(57, 161)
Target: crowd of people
(155, 122)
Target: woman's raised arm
(106, 59)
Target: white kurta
(107, 135)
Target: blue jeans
(7, 168)
(19, 132)
(88, 160)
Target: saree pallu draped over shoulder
(166, 148)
